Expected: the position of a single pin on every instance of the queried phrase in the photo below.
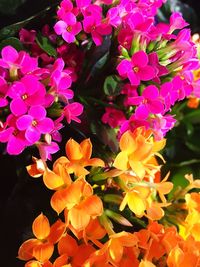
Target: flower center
(69, 28)
(24, 97)
(34, 123)
(136, 69)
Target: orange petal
(58, 200)
(33, 264)
(92, 206)
(56, 232)
(127, 142)
(43, 251)
(74, 193)
(154, 212)
(61, 261)
(41, 227)
(86, 148)
(61, 169)
(67, 245)
(26, 249)
(37, 169)
(73, 150)
(121, 161)
(95, 162)
(52, 180)
(83, 253)
(136, 203)
(94, 230)
(175, 257)
(79, 218)
(115, 250)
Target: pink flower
(113, 117)
(3, 92)
(35, 123)
(25, 93)
(137, 69)
(11, 59)
(71, 111)
(15, 139)
(46, 150)
(148, 103)
(177, 22)
(27, 37)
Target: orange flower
(41, 248)
(193, 102)
(79, 203)
(137, 148)
(72, 254)
(79, 157)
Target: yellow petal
(146, 264)
(41, 227)
(136, 204)
(127, 142)
(33, 264)
(121, 161)
(138, 168)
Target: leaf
(14, 42)
(193, 116)
(118, 218)
(112, 85)
(46, 45)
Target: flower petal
(140, 59)
(41, 227)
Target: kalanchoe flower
(137, 69)
(35, 123)
(113, 117)
(25, 93)
(46, 150)
(148, 102)
(3, 92)
(72, 111)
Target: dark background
(23, 198)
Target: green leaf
(46, 45)
(14, 42)
(193, 116)
(118, 218)
(112, 85)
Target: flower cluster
(34, 102)
(88, 236)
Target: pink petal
(141, 112)
(9, 54)
(31, 83)
(140, 59)
(24, 122)
(5, 134)
(32, 134)
(133, 78)
(60, 27)
(15, 145)
(18, 107)
(151, 92)
(3, 102)
(135, 100)
(156, 107)
(68, 37)
(65, 82)
(124, 67)
(45, 126)
(147, 73)
(37, 112)
(97, 38)
(17, 90)
(76, 28)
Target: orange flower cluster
(102, 205)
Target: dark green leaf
(112, 85)
(14, 42)
(46, 45)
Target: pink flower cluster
(154, 64)
(29, 95)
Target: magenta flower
(149, 102)
(69, 28)
(137, 69)
(3, 92)
(27, 37)
(72, 111)
(35, 123)
(60, 80)
(25, 93)
(177, 22)
(113, 117)
(11, 59)
(15, 139)
(92, 24)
